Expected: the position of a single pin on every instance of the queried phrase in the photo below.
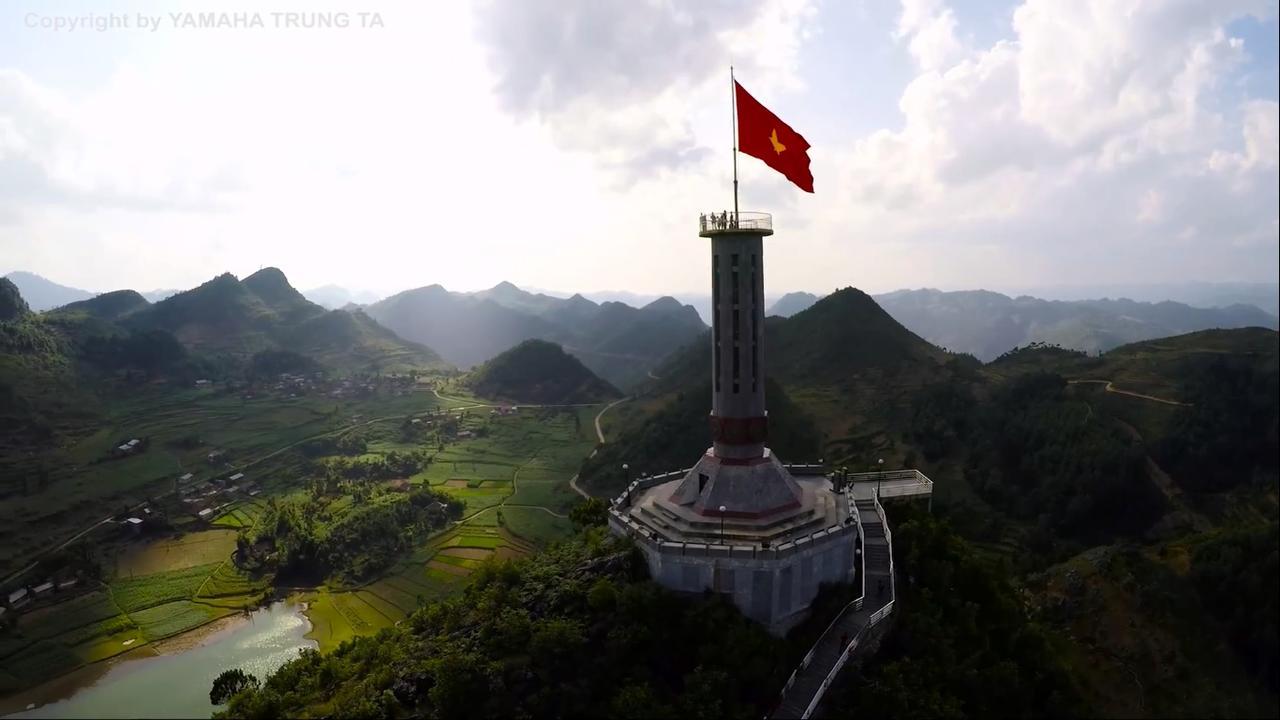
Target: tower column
(739, 424)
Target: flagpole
(733, 89)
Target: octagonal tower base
(784, 531)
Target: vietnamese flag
(761, 134)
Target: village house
(43, 588)
(18, 598)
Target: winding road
(573, 481)
(1111, 388)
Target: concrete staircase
(810, 681)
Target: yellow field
(178, 553)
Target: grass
(535, 526)
(108, 646)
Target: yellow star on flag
(777, 146)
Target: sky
(571, 144)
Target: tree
(589, 513)
(229, 683)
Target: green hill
(539, 372)
(353, 340)
(108, 306)
(99, 316)
(792, 303)
(39, 390)
(674, 434)
(12, 306)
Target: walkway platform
(894, 483)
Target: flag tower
(739, 521)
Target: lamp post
(880, 464)
(626, 481)
(722, 509)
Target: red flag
(761, 134)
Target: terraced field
(122, 615)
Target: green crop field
(149, 590)
(80, 611)
(163, 621)
(337, 617)
(228, 581)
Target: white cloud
(1081, 146)
(929, 27)
(619, 78)
(1261, 140)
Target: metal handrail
(728, 221)
(875, 619)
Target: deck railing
(729, 221)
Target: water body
(177, 685)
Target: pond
(177, 685)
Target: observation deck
(727, 222)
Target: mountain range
(986, 324)
(622, 340)
(618, 342)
